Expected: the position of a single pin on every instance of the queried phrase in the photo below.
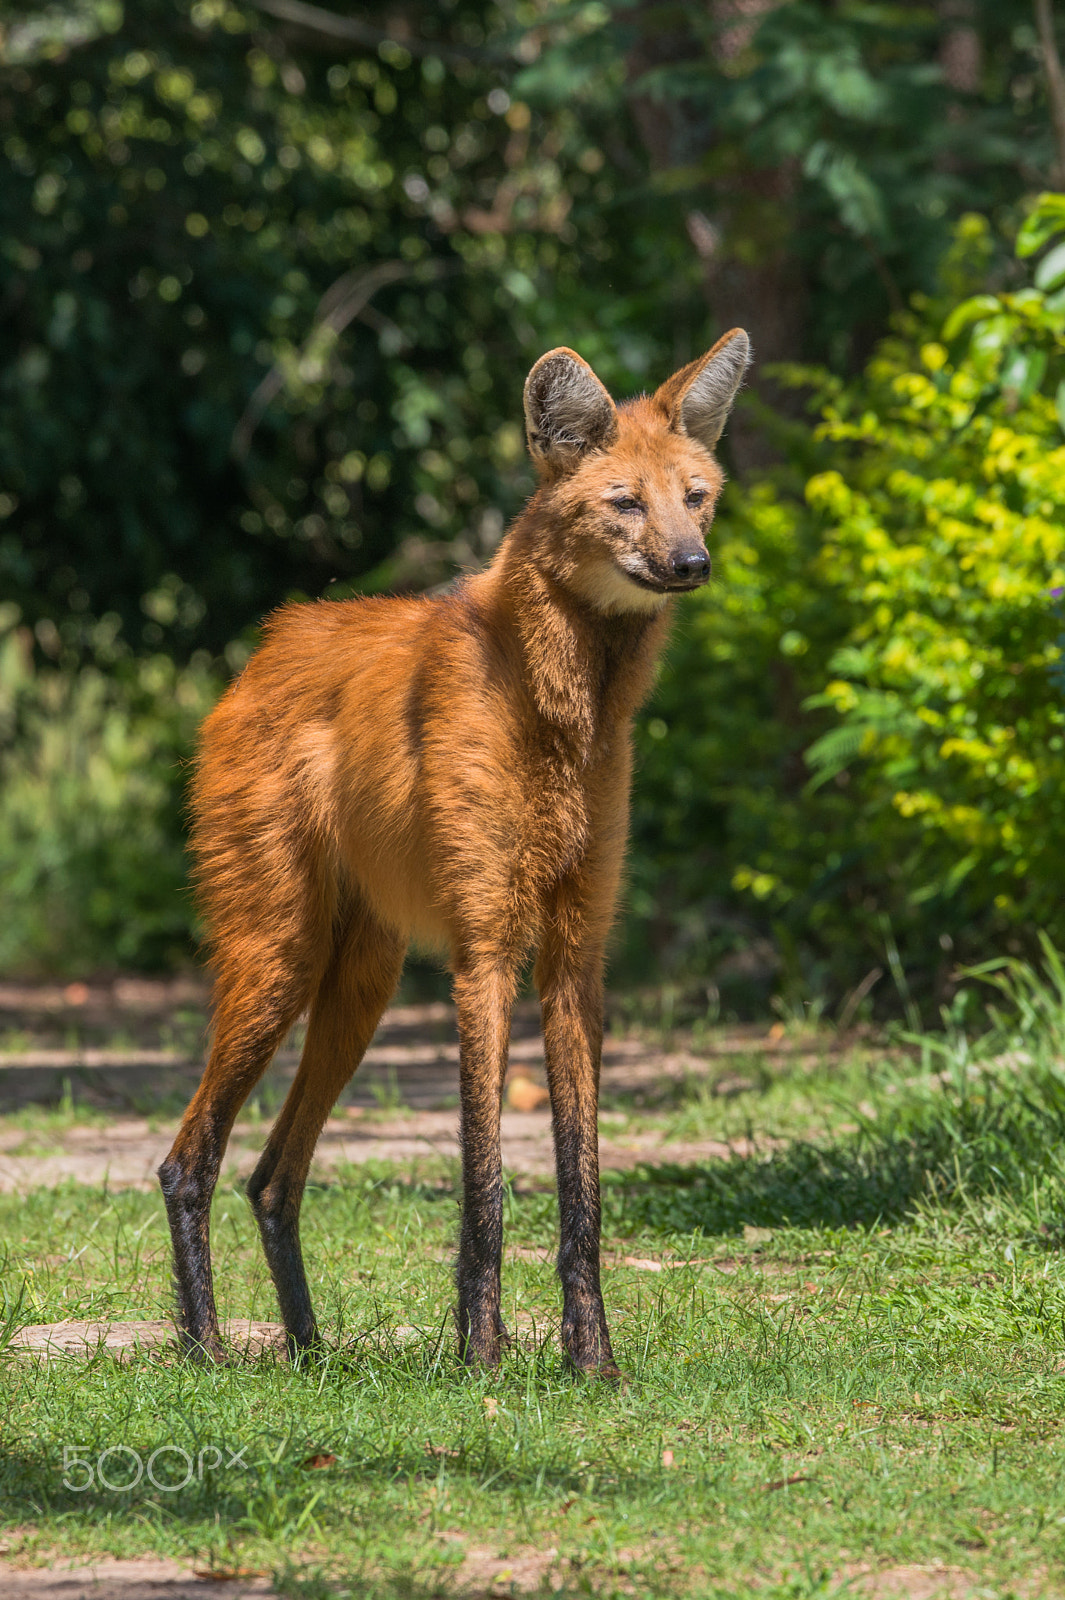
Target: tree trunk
(743, 236)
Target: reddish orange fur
(453, 771)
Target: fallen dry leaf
(315, 1463)
(782, 1483)
(525, 1095)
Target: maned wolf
(454, 771)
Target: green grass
(854, 1355)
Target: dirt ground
(130, 1580)
(482, 1573)
(133, 1049)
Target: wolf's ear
(698, 398)
(567, 411)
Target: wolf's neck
(586, 671)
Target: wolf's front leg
(569, 976)
(484, 997)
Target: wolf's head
(628, 492)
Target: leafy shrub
(91, 780)
(866, 721)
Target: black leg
(484, 997)
(344, 1017)
(571, 997)
(246, 1037)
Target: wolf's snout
(690, 566)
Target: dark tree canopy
(269, 303)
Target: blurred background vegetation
(271, 275)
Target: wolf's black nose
(690, 566)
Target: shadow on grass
(979, 1136)
(994, 1135)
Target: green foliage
(91, 824)
(271, 293)
(271, 306)
(844, 140)
(866, 723)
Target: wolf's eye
(626, 502)
(695, 497)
